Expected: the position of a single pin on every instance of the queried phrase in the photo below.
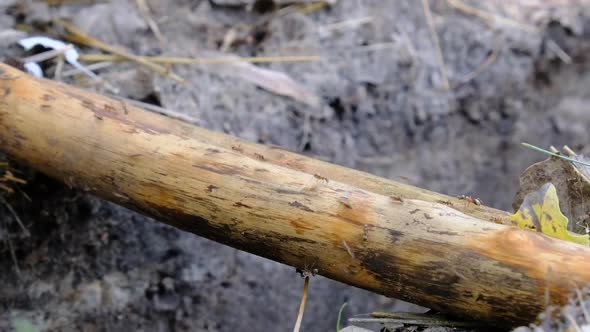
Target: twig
(561, 54)
(201, 61)
(146, 12)
(78, 36)
(304, 8)
(573, 324)
(439, 55)
(8, 176)
(309, 8)
(94, 66)
(340, 316)
(483, 66)
(15, 216)
(59, 67)
(569, 151)
(12, 253)
(489, 17)
(302, 305)
(6, 188)
(326, 30)
(46, 55)
(555, 154)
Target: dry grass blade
(569, 151)
(484, 65)
(8, 176)
(202, 61)
(6, 188)
(77, 36)
(489, 17)
(309, 8)
(13, 255)
(146, 12)
(94, 66)
(302, 305)
(326, 30)
(304, 8)
(271, 80)
(561, 54)
(439, 55)
(15, 216)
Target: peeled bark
(363, 230)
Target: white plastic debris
(34, 69)
(70, 54)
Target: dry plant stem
(146, 12)
(569, 151)
(59, 66)
(484, 65)
(302, 305)
(409, 243)
(489, 17)
(77, 36)
(94, 66)
(11, 250)
(15, 216)
(46, 55)
(201, 61)
(439, 55)
(573, 325)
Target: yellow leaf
(540, 211)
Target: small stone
(89, 296)
(168, 283)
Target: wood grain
(373, 233)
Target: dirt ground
(90, 265)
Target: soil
(89, 265)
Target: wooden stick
(407, 242)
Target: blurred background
(438, 94)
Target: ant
(470, 199)
(497, 220)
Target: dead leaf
(270, 80)
(540, 211)
(571, 182)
